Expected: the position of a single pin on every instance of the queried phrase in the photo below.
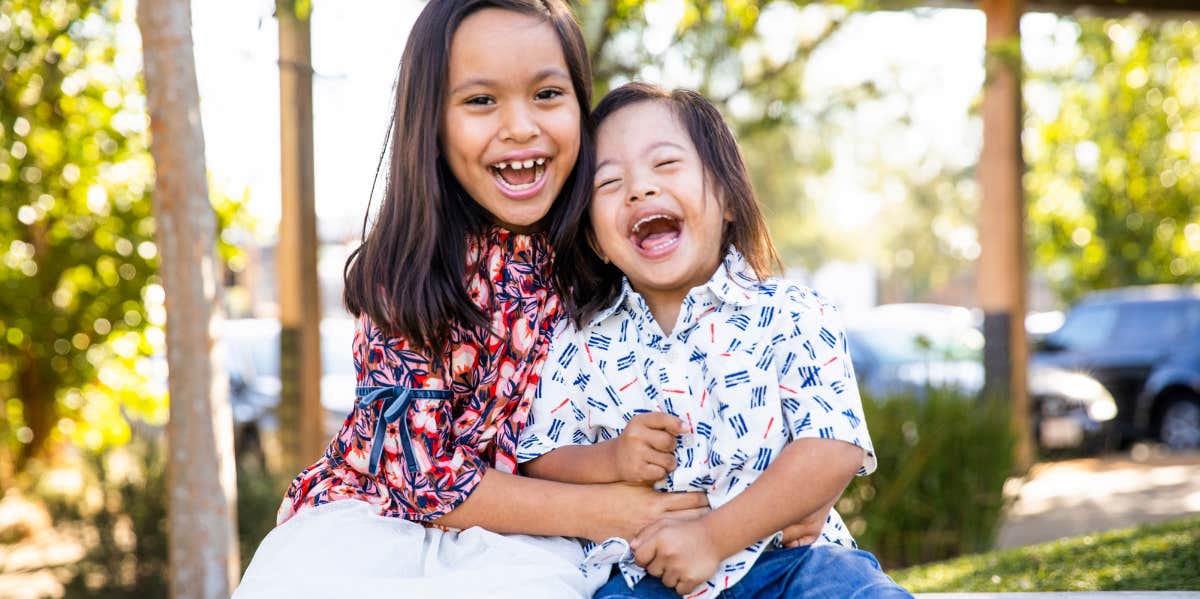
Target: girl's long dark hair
(594, 284)
(408, 275)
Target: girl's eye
(480, 100)
(548, 94)
(606, 183)
(665, 163)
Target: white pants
(344, 549)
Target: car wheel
(1179, 424)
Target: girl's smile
(521, 175)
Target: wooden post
(202, 540)
(1001, 280)
(300, 413)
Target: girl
(490, 168)
(690, 367)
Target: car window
(1150, 324)
(1087, 327)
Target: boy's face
(653, 215)
(510, 131)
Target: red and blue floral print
(492, 373)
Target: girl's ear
(591, 241)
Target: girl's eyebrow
(546, 73)
(653, 147)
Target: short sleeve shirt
(749, 366)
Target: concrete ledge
(1086, 595)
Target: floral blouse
(485, 380)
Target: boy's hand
(645, 451)
(807, 531)
(679, 552)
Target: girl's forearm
(808, 475)
(506, 503)
(582, 464)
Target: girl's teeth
(532, 162)
(537, 176)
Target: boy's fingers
(660, 421)
(661, 441)
(666, 461)
(650, 473)
(643, 545)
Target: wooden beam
(1001, 280)
(300, 413)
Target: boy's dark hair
(408, 275)
(594, 284)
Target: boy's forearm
(808, 475)
(583, 464)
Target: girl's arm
(506, 503)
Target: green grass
(1164, 556)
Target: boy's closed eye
(608, 183)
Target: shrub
(938, 491)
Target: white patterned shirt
(749, 366)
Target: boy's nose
(642, 189)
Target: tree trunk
(41, 413)
(201, 476)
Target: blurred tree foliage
(80, 305)
(749, 58)
(76, 227)
(1114, 169)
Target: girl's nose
(519, 125)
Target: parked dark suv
(1143, 345)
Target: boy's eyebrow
(543, 74)
(652, 147)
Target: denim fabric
(808, 572)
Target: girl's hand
(679, 552)
(807, 531)
(645, 451)
(624, 509)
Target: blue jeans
(808, 572)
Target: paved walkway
(1074, 497)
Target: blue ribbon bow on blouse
(396, 401)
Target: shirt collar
(734, 282)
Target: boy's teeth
(529, 164)
(540, 161)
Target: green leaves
(1114, 173)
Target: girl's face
(510, 130)
(652, 214)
